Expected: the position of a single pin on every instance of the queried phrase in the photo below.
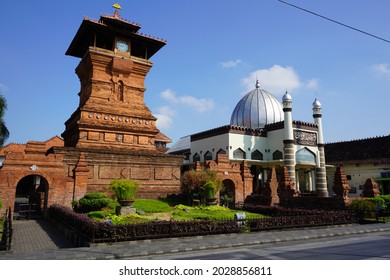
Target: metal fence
(106, 232)
(6, 237)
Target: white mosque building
(262, 134)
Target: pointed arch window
(196, 157)
(257, 155)
(239, 154)
(221, 152)
(277, 155)
(208, 156)
(305, 156)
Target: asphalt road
(370, 246)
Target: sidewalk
(38, 240)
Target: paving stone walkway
(36, 235)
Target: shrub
(209, 189)
(124, 188)
(92, 202)
(78, 221)
(95, 195)
(365, 208)
(383, 201)
(193, 182)
(100, 215)
(1, 204)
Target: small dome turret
(286, 97)
(316, 104)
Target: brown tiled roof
(370, 150)
(162, 138)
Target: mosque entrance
(305, 181)
(30, 197)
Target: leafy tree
(4, 133)
(195, 182)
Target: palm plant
(4, 133)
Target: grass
(182, 212)
(152, 206)
(163, 210)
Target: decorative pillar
(370, 188)
(247, 181)
(310, 179)
(286, 188)
(321, 184)
(80, 178)
(340, 184)
(289, 151)
(271, 187)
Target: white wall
(358, 175)
(212, 144)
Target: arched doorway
(227, 195)
(30, 197)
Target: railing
(79, 227)
(6, 237)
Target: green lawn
(162, 210)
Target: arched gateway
(31, 196)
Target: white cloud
(312, 84)
(231, 63)
(381, 69)
(3, 88)
(164, 117)
(199, 104)
(275, 80)
(169, 95)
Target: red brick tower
(114, 63)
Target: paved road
(368, 246)
(39, 241)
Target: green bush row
(366, 208)
(383, 201)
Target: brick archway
(31, 195)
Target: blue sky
(215, 51)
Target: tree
(4, 133)
(195, 181)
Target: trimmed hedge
(92, 202)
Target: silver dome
(257, 109)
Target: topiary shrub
(92, 202)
